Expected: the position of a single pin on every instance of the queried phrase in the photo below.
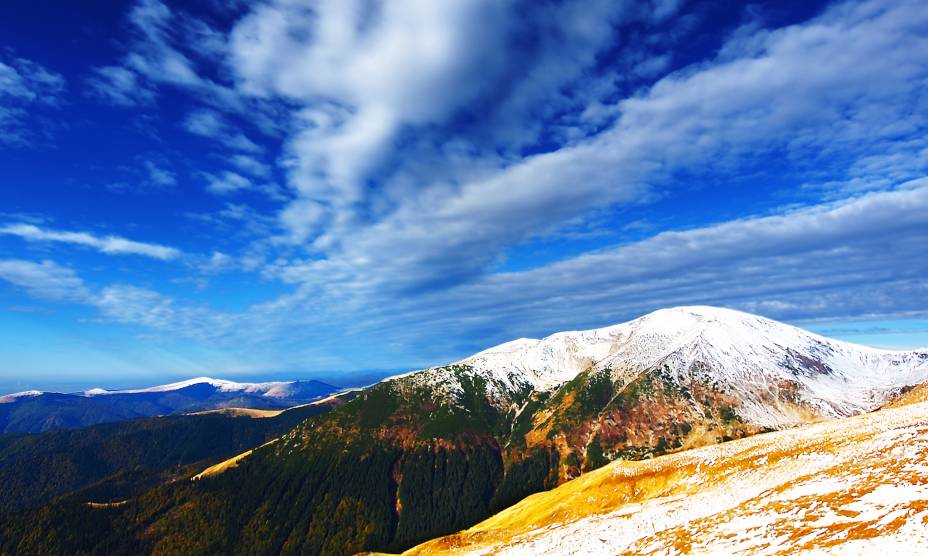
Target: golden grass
(100, 505)
(719, 491)
(915, 395)
(242, 412)
(265, 413)
(334, 400)
(224, 466)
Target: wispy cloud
(853, 258)
(231, 182)
(25, 85)
(120, 86)
(227, 182)
(29, 81)
(208, 123)
(251, 165)
(159, 176)
(120, 303)
(364, 80)
(45, 280)
(111, 245)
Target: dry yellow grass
(854, 485)
(265, 413)
(99, 505)
(223, 466)
(242, 412)
(915, 395)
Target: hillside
(34, 411)
(128, 456)
(855, 485)
(435, 451)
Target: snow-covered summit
(743, 352)
(270, 389)
(9, 398)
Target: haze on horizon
(284, 190)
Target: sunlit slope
(848, 486)
(912, 396)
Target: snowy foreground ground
(852, 486)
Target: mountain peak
(744, 352)
(695, 318)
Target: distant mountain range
(434, 451)
(34, 411)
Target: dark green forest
(123, 457)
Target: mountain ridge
(434, 451)
(271, 388)
(36, 411)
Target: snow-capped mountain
(10, 398)
(269, 389)
(745, 355)
(35, 411)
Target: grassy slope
(849, 485)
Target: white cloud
(231, 182)
(871, 64)
(368, 71)
(227, 182)
(251, 165)
(218, 262)
(160, 176)
(112, 245)
(169, 49)
(25, 85)
(26, 80)
(120, 86)
(237, 219)
(153, 60)
(208, 123)
(410, 128)
(121, 303)
(45, 280)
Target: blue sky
(288, 189)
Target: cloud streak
(111, 245)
